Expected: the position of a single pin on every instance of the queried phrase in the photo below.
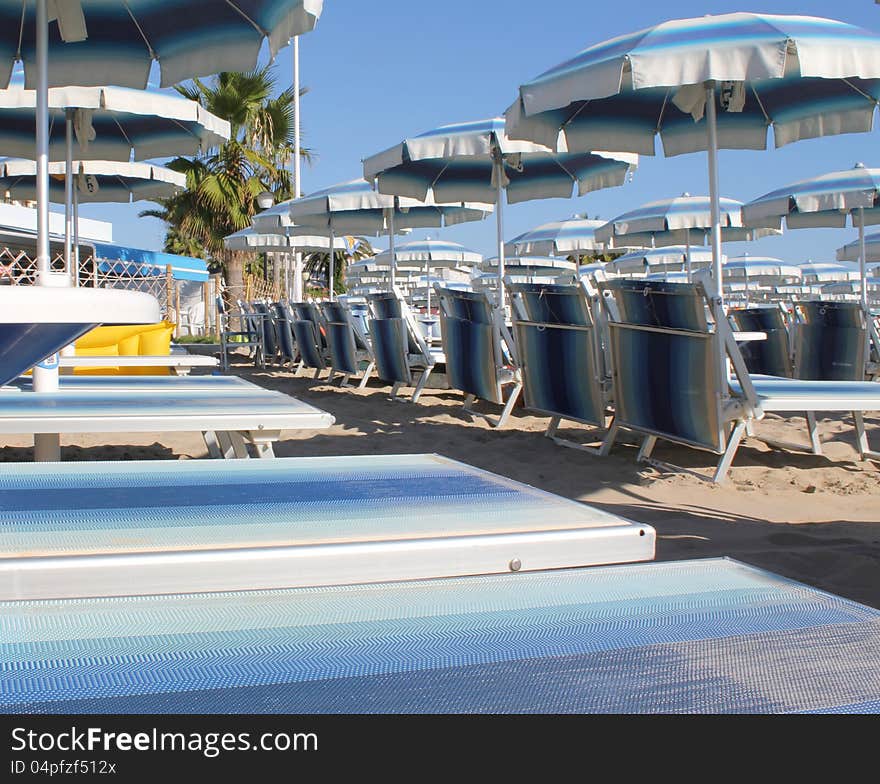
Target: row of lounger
(631, 355)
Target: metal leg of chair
(317, 374)
(239, 446)
(212, 444)
(813, 430)
(610, 438)
(367, 373)
(263, 441)
(420, 387)
(647, 449)
(726, 460)
(395, 389)
(552, 428)
(511, 402)
(225, 443)
(469, 401)
(865, 451)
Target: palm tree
(222, 184)
(318, 264)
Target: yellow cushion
(126, 340)
(107, 336)
(98, 351)
(155, 343)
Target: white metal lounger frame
(361, 355)
(424, 360)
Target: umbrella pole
(687, 256)
(332, 260)
(863, 261)
(68, 191)
(297, 167)
(428, 283)
(76, 241)
(391, 249)
(712, 131)
(499, 222)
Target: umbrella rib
(153, 54)
(244, 16)
(124, 134)
(859, 91)
(761, 105)
(21, 28)
(662, 112)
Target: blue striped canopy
(186, 38)
(437, 253)
(357, 208)
(671, 258)
(677, 220)
(288, 239)
(828, 272)
(805, 76)
(559, 238)
(828, 200)
(760, 268)
(139, 124)
(455, 162)
(850, 251)
(526, 263)
(119, 260)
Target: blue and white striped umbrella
(829, 200)
(96, 181)
(477, 161)
(117, 41)
(110, 123)
(355, 207)
(828, 272)
(673, 258)
(762, 269)
(743, 72)
(560, 238)
(287, 240)
(852, 252)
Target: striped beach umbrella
(755, 272)
(678, 221)
(477, 161)
(831, 200)
(706, 83)
(355, 207)
(852, 251)
(560, 238)
(287, 240)
(828, 272)
(674, 258)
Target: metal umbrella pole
(499, 222)
(332, 259)
(297, 170)
(712, 131)
(391, 247)
(68, 191)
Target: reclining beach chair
(283, 325)
(246, 336)
(561, 356)
(670, 381)
(266, 315)
(479, 361)
(832, 342)
(348, 348)
(399, 347)
(309, 336)
(770, 357)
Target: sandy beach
(813, 519)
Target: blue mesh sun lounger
(86, 528)
(228, 419)
(712, 636)
(350, 353)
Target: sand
(813, 519)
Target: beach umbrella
(678, 221)
(830, 200)
(355, 207)
(477, 161)
(852, 251)
(674, 258)
(432, 254)
(750, 270)
(96, 181)
(803, 76)
(572, 236)
(853, 290)
(828, 272)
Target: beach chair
(349, 351)
(247, 336)
(283, 325)
(399, 347)
(561, 356)
(832, 342)
(770, 357)
(670, 381)
(310, 338)
(480, 359)
(266, 317)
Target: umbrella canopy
(678, 221)
(743, 72)
(828, 200)
(762, 269)
(851, 251)
(478, 161)
(289, 239)
(516, 264)
(111, 123)
(827, 272)
(672, 259)
(436, 253)
(96, 181)
(852, 290)
(560, 238)
(118, 42)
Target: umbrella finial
(859, 165)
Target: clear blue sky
(378, 72)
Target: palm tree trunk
(233, 261)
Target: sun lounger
(831, 342)
(289, 522)
(311, 341)
(248, 336)
(266, 317)
(283, 318)
(399, 347)
(179, 364)
(708, 636)
(561, 357)
(479, 362)
(228, 420)
(350, 352)
(770, 357)
(669, 381)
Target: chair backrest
(471, 343)
(390, 305)
(558, 352)
(665, 361)
(340, 337)
(308, 342)
(770, 357)
(267, 323)
(249, 322)
(283, 325)
(308, 311)
(390, 344)
(829, 341)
